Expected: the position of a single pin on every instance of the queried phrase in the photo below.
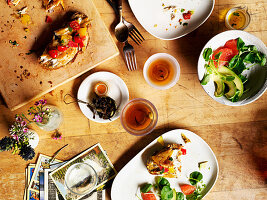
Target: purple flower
(18, 118)
(38, 118)
(15, 137)
(25, 130)
(36, 103)
(23, 123)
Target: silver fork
(129, 55)
(134, 34)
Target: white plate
(257, 75)
(150, 13)
(135, 172)
(117, 90)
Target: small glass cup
(53, 122)
(239, 15)
(139, 117)
(81, 178)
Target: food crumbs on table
(185, 24)
(15, 71)
(14, 43)
(48, 19)
(25, 37)
(26, 30)
(175, 10)
(21, 54)
(50, 82)
(21, 67)
(182, 10)
(172, 16)
(155, 25)
(175, 27)
(41, 82)
(166, 29)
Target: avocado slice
(174, 194)
(237, 81)
(232, 89)
(219, 86)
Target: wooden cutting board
(22, 79)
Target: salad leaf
(230, 78)
(250, 58)
(240, 44)
(218, 55)
(206, 54)
(146, 188)
(205, 79)
(263, 61)
(195, 177)
(166, 193)
(179, 196)
(243, 78)
(161, 182)
(235, 98)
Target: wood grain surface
(15, 62)
(237, 135)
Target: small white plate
(156, 20)
(117, 90)
(135, 173)
(257, 75)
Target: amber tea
(161, 72)
(138, 116)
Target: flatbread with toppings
(67, 42)
(51, 4)
(166, 162)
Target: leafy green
(166, 193)
(179, 196)
(206, 54)
(235, 98)
(243, 78)
(146, 188)
(240, 44)
(205, 79)
(161, 182)
(195, 177)
(218, 55)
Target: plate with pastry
(177, 164)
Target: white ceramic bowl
(257, 75)
(169, 58)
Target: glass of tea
(161, 71)
(139, 117)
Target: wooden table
(237, 135)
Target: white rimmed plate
(156, 20)
(135, 173)
(257, 75)
(117, 90)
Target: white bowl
(257, 75)
(169, 58)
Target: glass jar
(33, 138)
(53, 121)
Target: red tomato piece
(187, 189)
(232, 44)
(62, 48)
(183, 151)
(75, 25)
(148, 196)
(226, 56)
(48, 19)
(53, 53)
(72, 44)
(9, 2)
(77, 38)
(187, 15)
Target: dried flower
(57, 135)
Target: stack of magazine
(45, 180)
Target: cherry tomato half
(62, 48)
(53, 53)
(72, 44)
(75, 25)
(77, 38)
(187, 15)
(148, 196)
(183, 151)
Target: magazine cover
(42, 163)
(31, 195)
(94, 156)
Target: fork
(129, 55)
(134, 34)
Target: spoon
(121, 30)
